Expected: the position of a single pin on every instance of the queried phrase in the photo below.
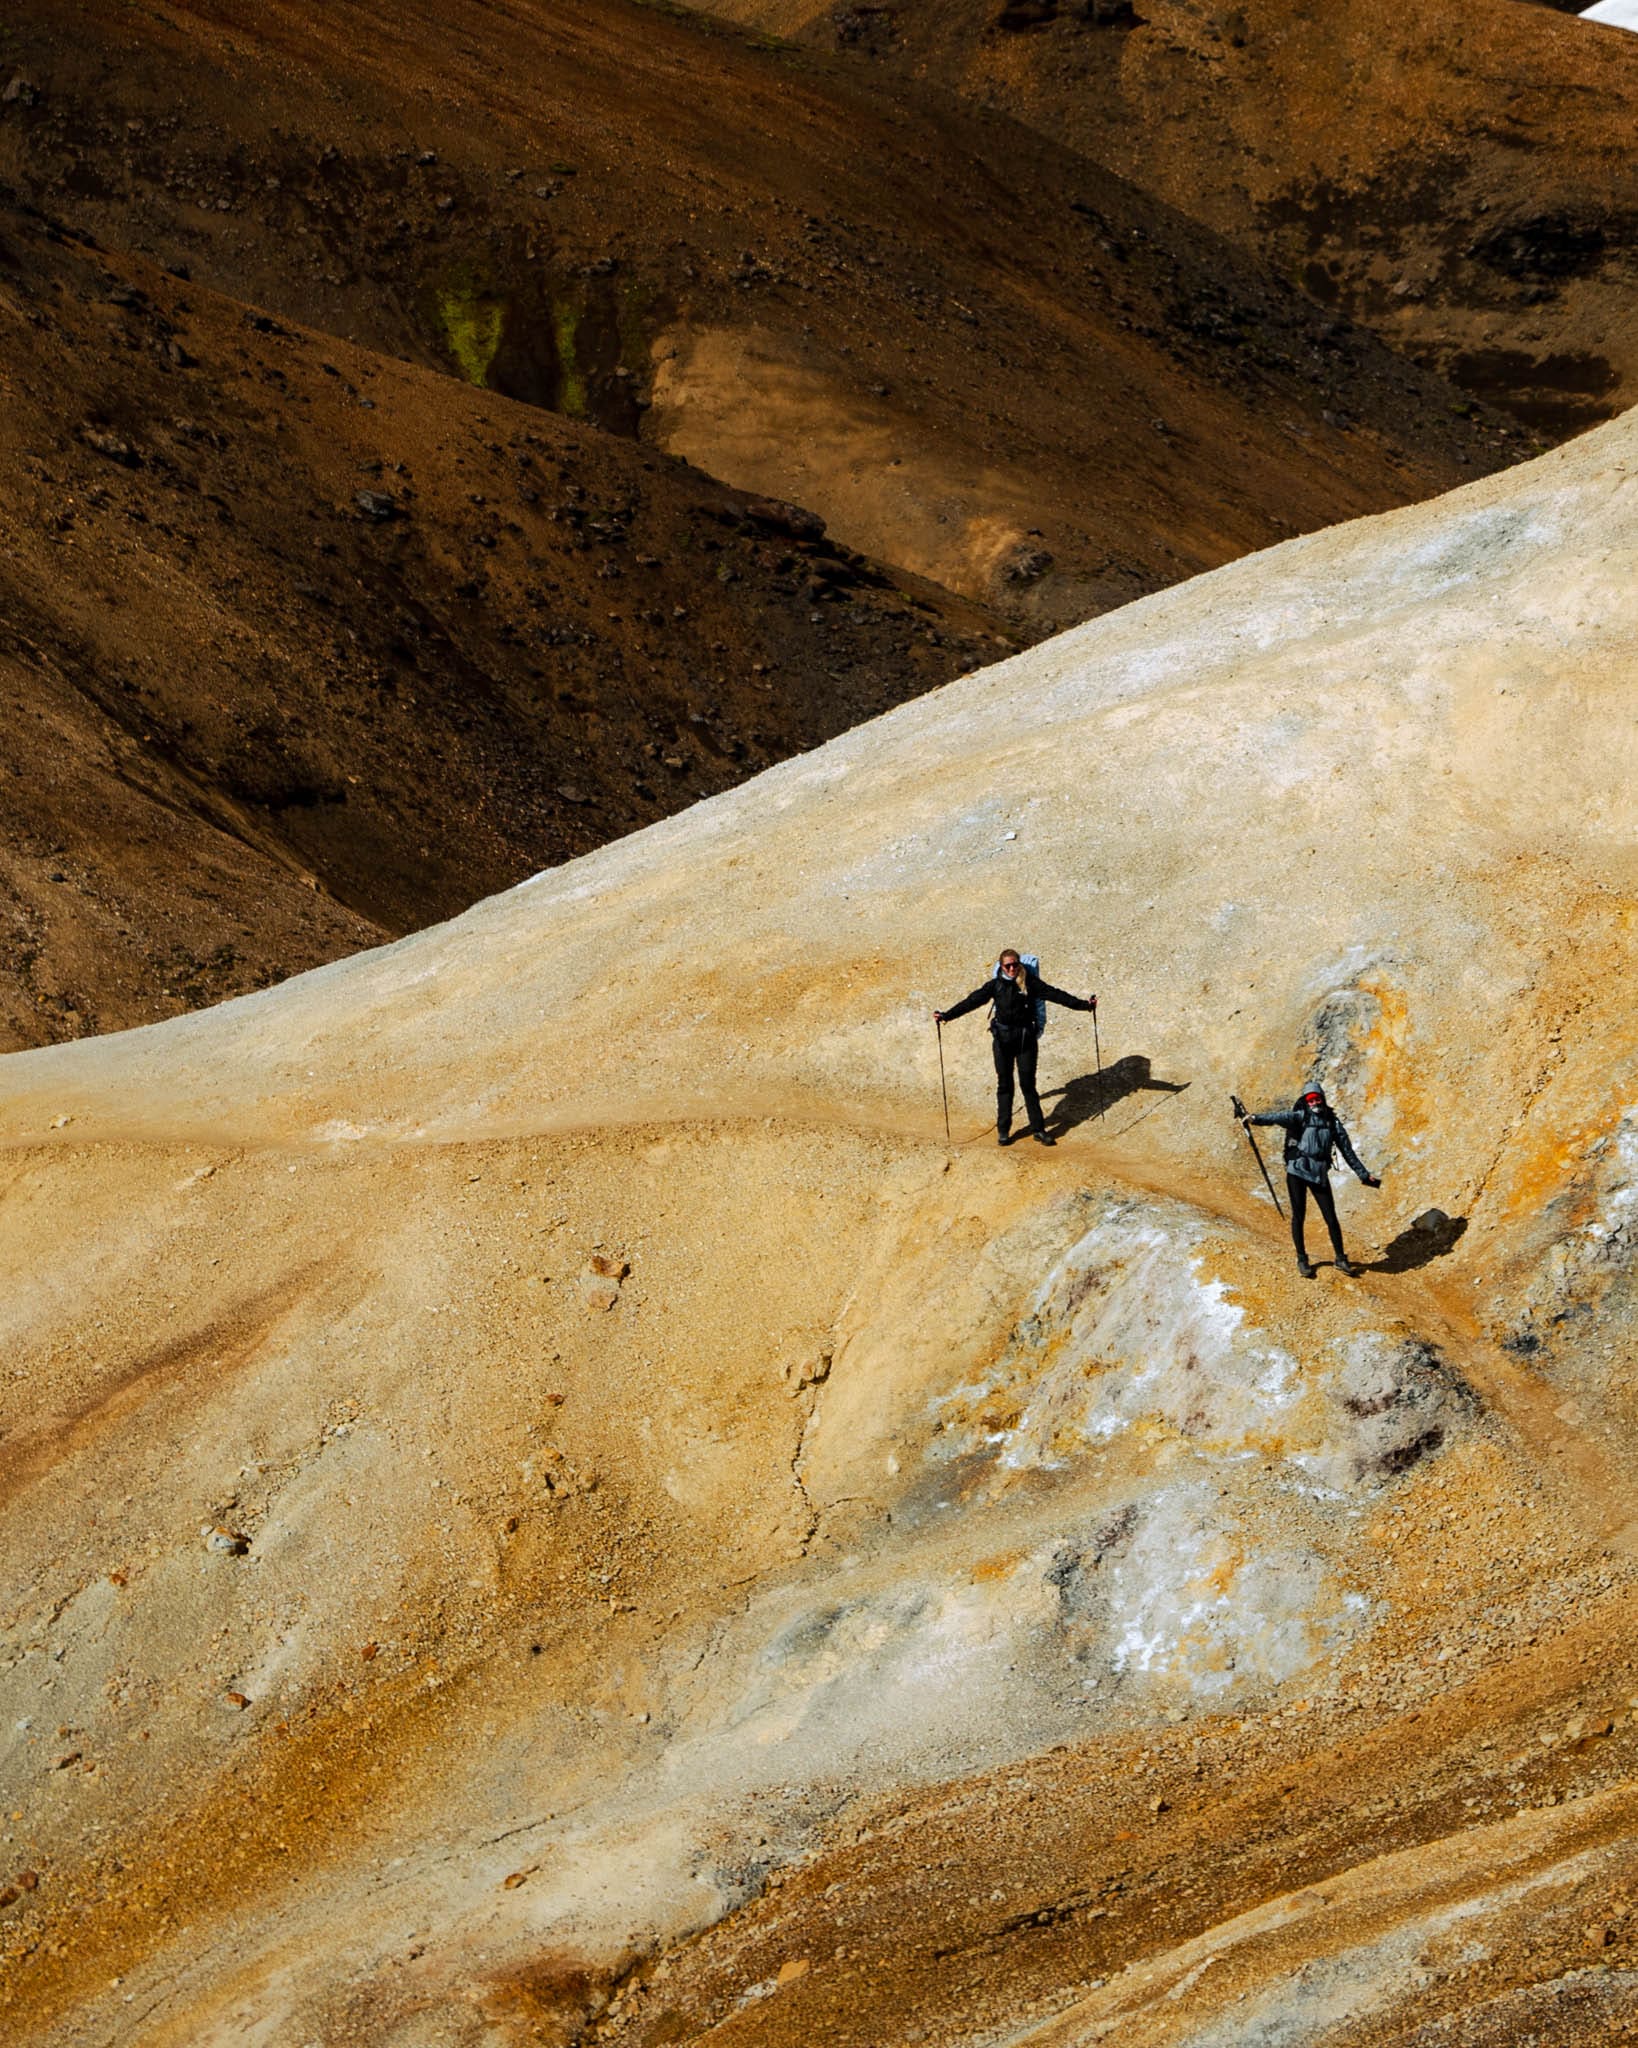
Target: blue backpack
(1031, 961)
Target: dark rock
(795, 522)
(21, 92)
(104, 442)
(1550, 246)
(1026, 565)
(379, 506)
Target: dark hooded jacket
(1311, 1135)
(1014, 1015)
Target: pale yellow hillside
(542, 1503)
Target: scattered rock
(379, 506)
(238, 1701)
(796, 1966)
(21, 92)
(226, 1542)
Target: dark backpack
(1033, 964)
(1326, 1120)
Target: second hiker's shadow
(1082, 1098)
(1430, 1236)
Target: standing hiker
(1019, 997)
(1313, 1130)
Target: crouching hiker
(1019, 998)
(1313, 1131)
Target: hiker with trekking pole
(1018, 998)
(1313, 1131)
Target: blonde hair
(1022, 976)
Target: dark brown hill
(1458, 176)
(975, 356)
(302, 648)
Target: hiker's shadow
(1429, 1237)
(1083, 1098)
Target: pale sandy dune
(691, 1523)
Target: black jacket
(1014, 1015)
(1310, 1137)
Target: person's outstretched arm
(1038, 987)
(1285, 1118)
(1345, 1147)
(981, 994)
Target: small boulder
(1026, 565)
(224, 1542)
(795, 522)
(106, 443)
(377, 506)
(597, 1291)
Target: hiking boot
(1305, 1269)
(1003, 1137)
(1043, 1137)
(1347, 1266)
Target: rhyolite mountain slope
(541, 1503)
(1457, 176)
(979, 358)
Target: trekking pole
(944, 1086)
(1245, 1125)
(1097, 1051)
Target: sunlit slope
(542, 1502)
(1376, 784)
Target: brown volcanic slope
(1458, 176)
(963, 347)
(302, 647)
